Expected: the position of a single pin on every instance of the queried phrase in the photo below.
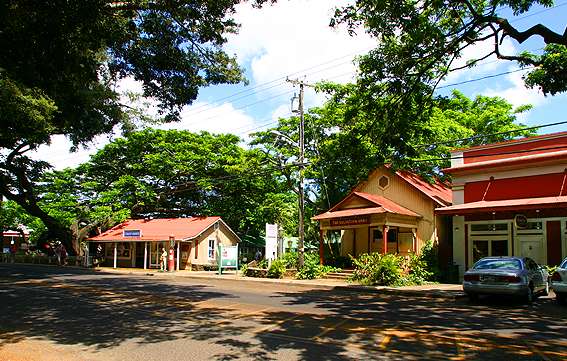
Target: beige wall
(222, 235)
(407, 196)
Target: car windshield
(564, 264)
(498, 264)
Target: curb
(426, 293)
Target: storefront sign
(350, 221)
(521, 221)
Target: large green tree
(419, 41)
(159, 173)
(61, 61)
(344, 141)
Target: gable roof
(379, 205)
(439, 192)
(160, 229)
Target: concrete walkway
(428, 291)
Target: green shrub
(243, 269)
(277, 269)
(378, 269)
(312, 269)
(290, 259)
(430, 258)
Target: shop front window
(489, 248)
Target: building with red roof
(510, 199)
(390, 212)
(140, 242)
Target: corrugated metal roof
(159, 229)
(504, 205)
(382, 205)
(439, 192)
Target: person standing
(163, 260)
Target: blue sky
(292, 38)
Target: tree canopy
(169, 173)
(344, 142)
(419, 41)
(61, 61)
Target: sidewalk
(427, 291)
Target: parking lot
(62, 314)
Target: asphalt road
(49, 313)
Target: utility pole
(300, 245)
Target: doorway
(531, 245)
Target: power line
(281, 79)
(483, 78)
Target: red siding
(547, 185)
(506, 152)
(554, 242)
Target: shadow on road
(104, 310)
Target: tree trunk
(55, 230)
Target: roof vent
(383, 182)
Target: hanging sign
(350, 221)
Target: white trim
(496, 236)
(510, 144)
(526, 171)
(238, 240)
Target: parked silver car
(514, 276)
(559, 282)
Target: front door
(155, 253)
(531, 246)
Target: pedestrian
(63, 255)
(57, 252)
(163, 260)
(258, 255)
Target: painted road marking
(271, 326)
(385, 341)
(328, 329)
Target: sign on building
(271, 241)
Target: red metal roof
(510, 162)
(159, 229)
(383, 205)
(504, 205)
(438, 191)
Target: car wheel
(561, 298)
(530, 297)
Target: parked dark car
(559, 282)
(514, 276)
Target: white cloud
(224, 118)
(477, 51)
(58, 152)
(517, 94)
(294, 38)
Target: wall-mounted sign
(521, 221)
(132, 233)
(350, 221)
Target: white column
(145, 254)
(115, 253)
(133, 246)
(178, 255)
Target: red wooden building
(510, 198)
